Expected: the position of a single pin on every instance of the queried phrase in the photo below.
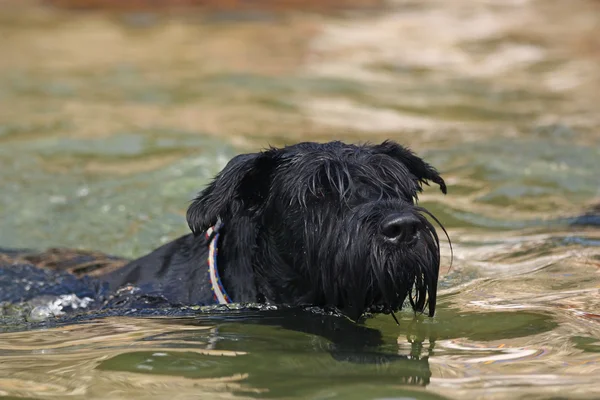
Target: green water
(110, 123)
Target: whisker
(424, 211)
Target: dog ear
(416, 166)
(239, 189)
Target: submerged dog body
(330, 225)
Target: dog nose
(400, 227)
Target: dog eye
(365, 192)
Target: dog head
(332, 225)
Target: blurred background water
(114, 114)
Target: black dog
(329, 225)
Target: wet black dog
(330, 225)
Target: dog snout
(399, 228)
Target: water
(110, 123)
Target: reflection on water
(109, 123)
(276, 354)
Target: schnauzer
(332, 225)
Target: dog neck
(216, 286)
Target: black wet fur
(301, 226)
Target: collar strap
(219, 293)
